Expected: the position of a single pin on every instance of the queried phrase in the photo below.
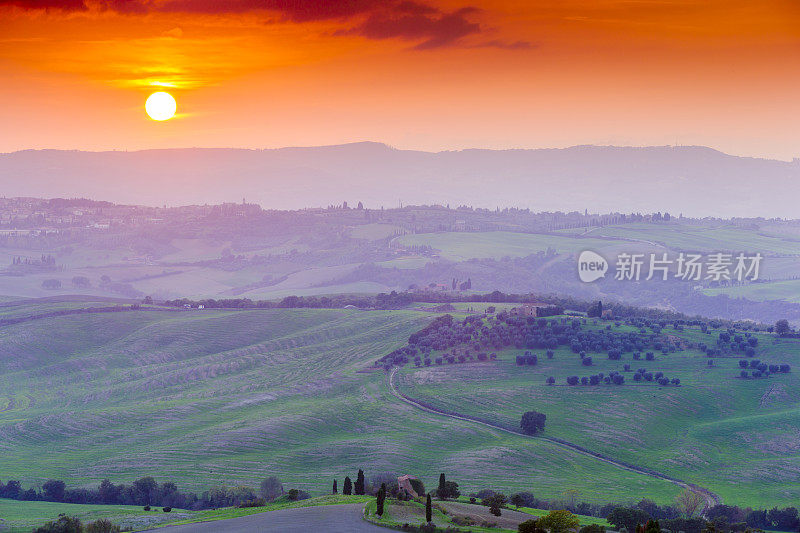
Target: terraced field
(228, 397)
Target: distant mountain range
(693, 180)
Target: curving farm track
(710, 499)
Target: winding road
(710, 499)
(345, 518)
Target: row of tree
(147, 492)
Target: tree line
(146, 492)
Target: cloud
(410, 20)
(63, 5)
(516, 45)
(294, 10)
(176, 33)
(433, 28)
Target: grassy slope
(23, 516)
(212, 515)
(679, 236)
(788, 290)
(228, 397)
(170, 274)
(411, 512)
(499, 244)
(736, 437)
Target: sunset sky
(424, 74)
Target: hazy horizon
(598, 178)
(789, 159)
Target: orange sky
(428, 74)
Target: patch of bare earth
(479, 514)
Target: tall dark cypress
(348, 486)
(335, 488)
(428, 510)
(360, 483)
(380, 499)
(442, 491)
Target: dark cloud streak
(63, 5)
(408, 20)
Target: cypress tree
(360, 483)
(380, 499)
(442, 491)
(348, 487)
(335, 488)
(428, 510)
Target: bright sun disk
(160, 106)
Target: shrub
(529, 526)
(146, 507)
(532, 422)
(559, 522)
(64, 524)
(167, 509)
(255, 502)
(271, 488)
(101, 526)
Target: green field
(499, 244)
(736, 437)
(788, 290)
(22, 516)
(397, 513)
(704, 238)
(205, 398)
(19, 517)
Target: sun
(160, 106)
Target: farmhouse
(404, 483)
(527, 310)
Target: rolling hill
(227, 397)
